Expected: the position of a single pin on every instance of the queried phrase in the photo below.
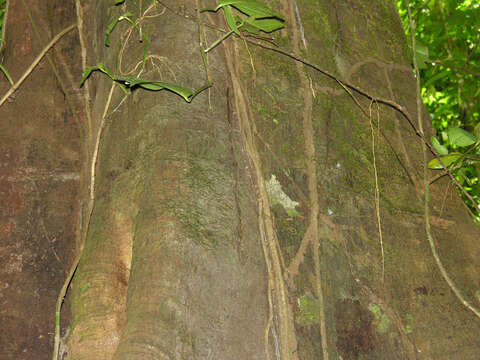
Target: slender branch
(377, 190)
(201, 42)
(35, 62)
(218, 41)
(191, 18)
(349, 92)
(4, 27)
(431, 242)
(76, 261)
(401, 109)
(49, 59)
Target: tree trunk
(278, 215)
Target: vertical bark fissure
(409, 168)
(308, 131)
(86, 87)
(276, 282)
(236, 195)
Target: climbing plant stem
(377, 190)
(201, 43)
(76, 261)
(401, 109)
(49, 59)
(218, 41)
(35, 62)
(426, 181)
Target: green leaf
(109, 30)
(463, 177)
(7, 75)
(250, 28)
(421, 52)
(185, 93)
(460, 137)
(442, 150)
(131, 82)
(88, 71)
(251, 8)
(231, 22)
(266, 25)
(476, 130)
(118, 2)
(436, 77)
(114, 23)
(447, 160)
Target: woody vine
(246, 19)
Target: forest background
(447, 35)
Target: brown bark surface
(242, 225)
(40, 176)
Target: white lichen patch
(278, 196)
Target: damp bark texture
(242, 225)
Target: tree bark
(278, 215)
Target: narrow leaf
(266, 25)
(7, 75)
(460, 137)
(231, 22)
(442, 150)
(131, 82)
(421, 52)
(114, 23)
(88, 71)
(248, 27)
(436, 77)
(447, 160)
(463, 175)
(109, 30)
(251, 8)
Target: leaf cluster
(447, 36)
(258, 17)
(3, 5)
(250, 16)
(460, 152)
(132, 82)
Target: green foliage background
(447, 34)
(2, 12)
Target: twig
(311, 172)
(35, 62)
(191, 18)
(49, 59)
(377, 190)
(86, 86)
(76, 261)
(431, 242)
(218, 41)
(401, 109)
(364, 112)
(84, 224)
(201, 43)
